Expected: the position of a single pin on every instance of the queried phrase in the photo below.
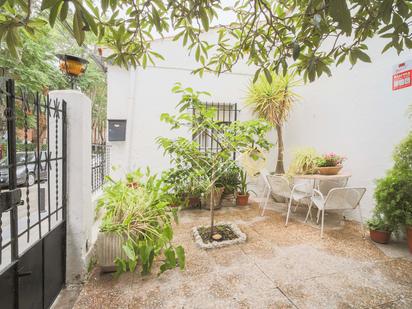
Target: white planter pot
(109, 247)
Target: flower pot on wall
(109, 247)
(242, 199)
(381, 237)
(409, 237)
(329, 170)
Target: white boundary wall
(80, 203)
(354, 113)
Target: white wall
(80, 210)
(354, 113)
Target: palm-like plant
(273, 102)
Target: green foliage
(403, 155)
(393, 193)
(272, 35)
(229, 179)
(271, 97)
(377, 223)
(305, 161)
(206, 169)
(243, 185)
(142, 217)
(36, 70)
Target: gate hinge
(8, 199)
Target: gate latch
(8, 199)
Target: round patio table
(317, 178)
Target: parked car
(23, 178)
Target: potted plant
(136, 226)
(194, 193)
(242, 196)
(229, 179)
(305, 161)
(379, 229)
(330, 164)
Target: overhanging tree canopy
(310, 35)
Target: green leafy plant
(243, 185)
(377, 223)
(208, 167)
(229, 178)
(408, 219)
(141, 216)
(393, 193)
(305, 161)
(272, 100)
(329, 160)
(271, 35)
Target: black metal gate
(32, 197)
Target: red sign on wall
(402, 75)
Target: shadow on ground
(277, 267)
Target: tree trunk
(280, 169)
(212, 212)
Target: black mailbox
(117, 130)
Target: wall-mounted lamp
(72, 66)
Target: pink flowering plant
(330, 159)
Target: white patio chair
(337, 199)
(280, 186)
(326, 185)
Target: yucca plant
(273, 102)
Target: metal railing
(100, 165)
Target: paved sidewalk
(277, 267)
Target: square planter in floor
(230, 233)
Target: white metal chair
(337, 199)
(325, 186)
(280, 186)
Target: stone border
(219, 244)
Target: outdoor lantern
(72, 66)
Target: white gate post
(79, 192)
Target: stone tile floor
(278, 267)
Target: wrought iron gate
(32, 197)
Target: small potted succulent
(242, 196)
(330, 164)
(379, 230)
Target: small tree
(208, 166)
(272, 98)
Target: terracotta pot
(381, 237)
(194, 201)
(330, 170)
(133, 185)
(409, 237)
(242, 200)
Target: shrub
(393, 193)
